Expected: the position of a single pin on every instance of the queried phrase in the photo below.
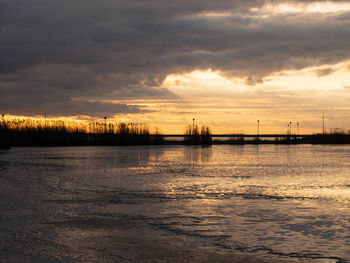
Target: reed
(39, 132)
(195, 137)
(206, 135)
(335, 136)
(4, 136)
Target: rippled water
(248, 203)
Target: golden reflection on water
(268, 202)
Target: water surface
(272, 203)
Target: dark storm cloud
(54, 52)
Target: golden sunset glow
(232, 105)
(312, 7)
(225, 65)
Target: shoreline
(42, 139)
(166, 144)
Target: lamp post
(323, 124)
(105, 124)
(298, 128)
(258, 124)
(290, 128)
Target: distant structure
(323, 125)
(290, 128)
(298, 128)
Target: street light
(298, 128)
(323, 124)
(257, 137)
(290, 127)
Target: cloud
(324, 72)
(251, 81)
(53, 52)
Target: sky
(224, 63)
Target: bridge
(238, 135)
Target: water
(267, 203)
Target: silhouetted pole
(298, 128)
(257, 137)
(193, 125)
(323, 124)
(290, 127)
(105, 124)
